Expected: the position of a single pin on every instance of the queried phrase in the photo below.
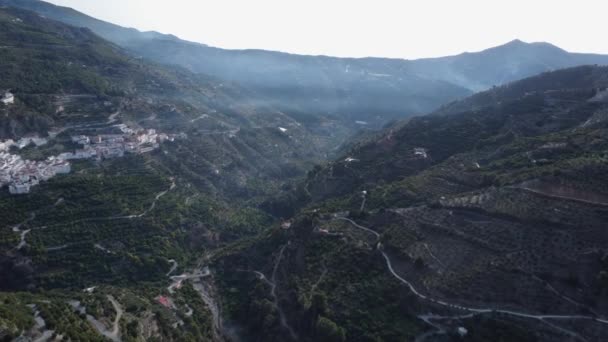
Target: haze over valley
(157, 189)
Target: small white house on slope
(8, 98)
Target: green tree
(328, 331)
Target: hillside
(66, 76)
(187, 195)
(372, 90)
(485, 220)
(306, 88)
(164, 166)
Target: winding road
(23, 233)
(173, 267)
(152, 206)
(179, 279)
(113, 334)
(40, 327)
(472, 310)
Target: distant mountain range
(373, 90)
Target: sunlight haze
(382, 28)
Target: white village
(21, 175)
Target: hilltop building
(7, 98)
(421, 152)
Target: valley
(204, 194)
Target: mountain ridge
(371, 90)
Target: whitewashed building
(8, 98)
(19, 188)
(421, 152)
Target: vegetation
(486, 193)
(500, 199)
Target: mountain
(304, 87)
(484, 221)
(172, 205)
(371, 90)
(499, 65)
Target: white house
(19, 189)
(7, 98)
(39, 141)
(81, 139)
(82, 154)
(6, 145)
(462, 331)
(23, 142)
(421, 152)
(62, 167)
(66, 156)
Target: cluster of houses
(21, 175)
(105, 146)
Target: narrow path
(559, 294)
(22, 242)
(57, 248)
(363, 200)
(426, 246)
(40, 326)
(179, 279)
(152, 206)
(205, 293)
(119, 312)
(272, 282)
(573, 334)
(202, 116)
(111, 218)
(173, 267)
(547, 194)
(23, 233)
(359, 226)
(102, 248)
(273, 293)
(314, 286)
(112, 117)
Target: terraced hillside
(103, 252)
(68, 78)
(483, 221)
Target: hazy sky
(387, 28)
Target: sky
(359, 28)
